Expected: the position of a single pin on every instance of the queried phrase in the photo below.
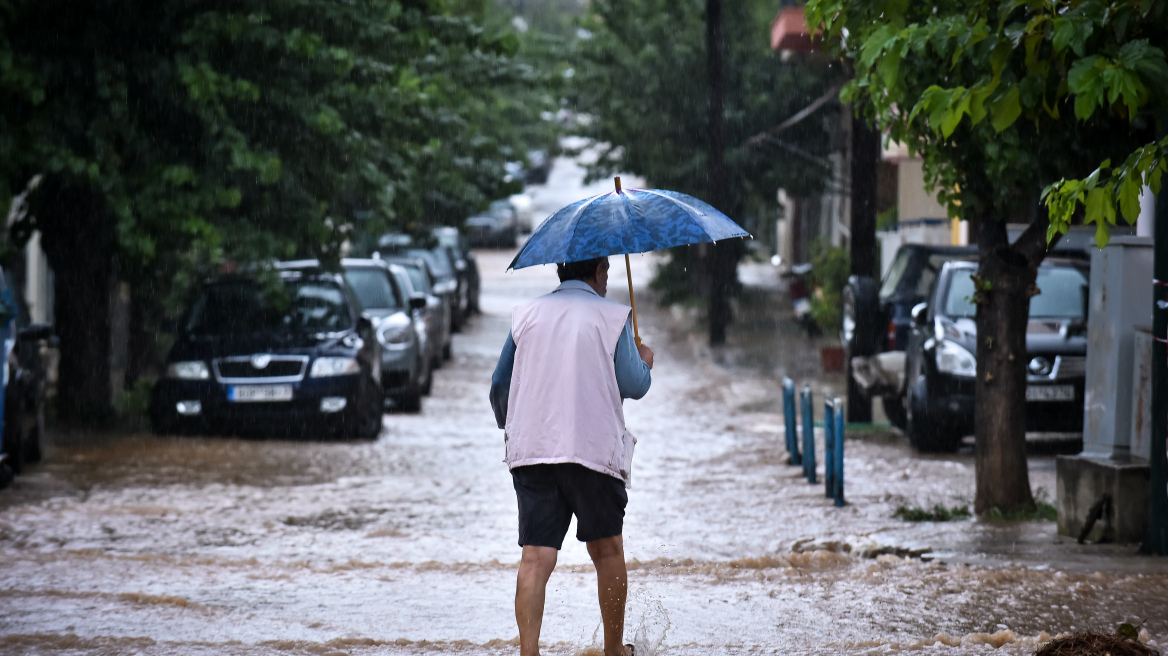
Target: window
(243, 307)
(373, 288)
(1063, 294)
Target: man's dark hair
(581, 270)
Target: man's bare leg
(535, 568)
(612, 586)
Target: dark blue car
(291, 356)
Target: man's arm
(501, 381)
(632, 373)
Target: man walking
(567, 365)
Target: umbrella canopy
(624, 221)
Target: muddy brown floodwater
(406, 545)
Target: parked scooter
(799, 289)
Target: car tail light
(890, 344)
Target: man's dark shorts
(550, 494)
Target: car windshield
(373, 289)
(403, 280)
(1062, 297)
(1063, 294)
(437, 261)
(417, 277)
(243, 308)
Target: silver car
(436, 313)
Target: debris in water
(1095, 644)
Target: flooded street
(406, 544)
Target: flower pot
(831, 358)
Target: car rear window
(373, 289)
(244, 307)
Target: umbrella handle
(629, 271)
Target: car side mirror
(35, 332)
(920, 314)
(417, 301)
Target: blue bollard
(791, 421)
(838, 464)
(828, 448)
(806, 401)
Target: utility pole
(722, 257)
(865, 154)
(1156, 541)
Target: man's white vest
(564, 404)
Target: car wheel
(926, 431)
(894, 410)
(428, 380)
(411, 401)
(367, 424)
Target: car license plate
(1050, 393)
(259, 393)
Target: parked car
(437, 312)
(294, 356)
(465, 265)
(524, 206)
(877, 322)
(22, 398)
(405, 367)
(940, 359)
(440, 261)
(497, 227)
(539, 166)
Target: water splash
(652, 629)
(648, 635)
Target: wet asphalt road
(406, 545)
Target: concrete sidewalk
(882, 472)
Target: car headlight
(326, 367)
(394, 331)
(955, 360)
(192, 370)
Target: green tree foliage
(640, 82)
(831, 266)
(1003, 100)
(1034, 78)
(174, 135)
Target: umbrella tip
(616, 181)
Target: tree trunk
(1006, 281)
(865, 158)
(78, 241)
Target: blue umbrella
(622, 222)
